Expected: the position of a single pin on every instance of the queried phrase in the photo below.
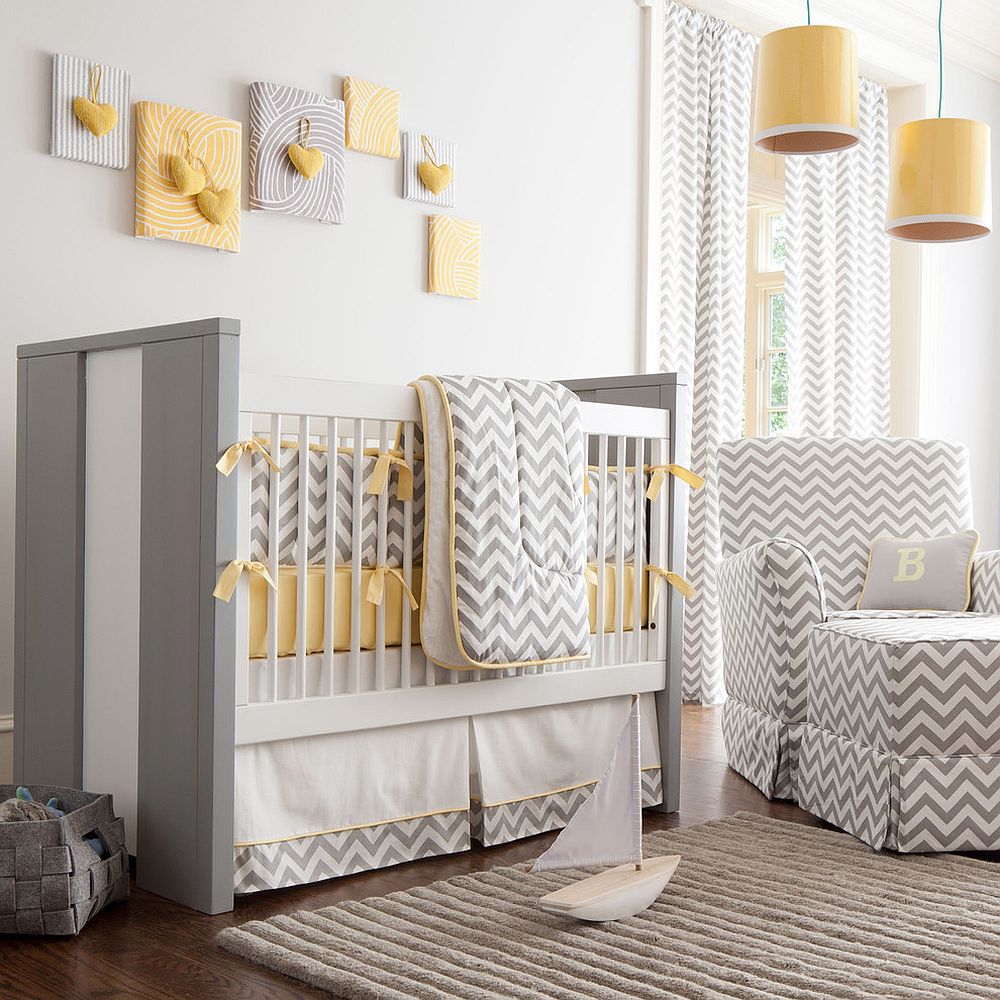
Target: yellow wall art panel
(372, 117)
(187, 176)
(453, 256)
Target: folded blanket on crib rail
(504, 533)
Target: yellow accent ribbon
(230, 576)
(380, 477)
(674, 579)
(590, 575)
(376, 586)
(232, 455)
(659, 476)
(586, 483)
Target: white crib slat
(638, 549)
(272, 559)
(330, 558)
(301, 603)
(602, 523)
(405, 639)
(381, 558)
(656, 641)
(620, 476)
(243, 483)
(354, 680)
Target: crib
(131, 677)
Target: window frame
(761, 285)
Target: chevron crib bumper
(902, 746)
(504, 532)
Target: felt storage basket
(51, 880)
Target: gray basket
(51, 880)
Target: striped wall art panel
(372, 117)
(276, 121)
(71, 139)
(453, 255)
(443, 151)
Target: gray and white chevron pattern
(986, 582)
(329, 855)
(837, 281)
(832, 496)
(501, 824)
(753, 745)
(276, 114)
(520, 537)
(915, 687)
(846, 783)
(707, 73)
(288, 510)
(592, 499)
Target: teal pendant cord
(809, 13)
(940, 58)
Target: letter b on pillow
(911, 564)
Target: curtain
(837, 282)
(707, 73)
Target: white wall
(543, 100)
(964, 402)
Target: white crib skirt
(322, 806)
(531, 769)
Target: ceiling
(897, 39)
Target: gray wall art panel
(413, 155)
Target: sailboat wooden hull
(613, 894)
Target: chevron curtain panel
(837, 282)
(707, 75)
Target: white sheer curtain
(707, 74)
(837, 282)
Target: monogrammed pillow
(920, 574)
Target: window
(766, 377)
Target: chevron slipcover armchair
(796, 518)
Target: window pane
(776, 319)
(777, 422)
(776, 242)
(778, 380)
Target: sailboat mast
(638, 752)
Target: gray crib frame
(190, 387)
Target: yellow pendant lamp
(806, 97)
(939, 176)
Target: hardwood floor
(148, 947)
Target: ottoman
(901, 745)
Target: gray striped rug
(758, 909)
(70, 139)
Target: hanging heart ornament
(307, 160)
(433, 175)
(215, 203)
(189, 180)
(99, 119)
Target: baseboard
(6, 749)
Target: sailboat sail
(607, 828)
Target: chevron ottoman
(902, 741)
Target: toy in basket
(607, 830)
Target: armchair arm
(986, 582)
(770, 596)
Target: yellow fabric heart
(188, 180)
(98, 118)
(217, 206)
(307, 160)
(435, 178)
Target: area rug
(757, 909)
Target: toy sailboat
(607, 830)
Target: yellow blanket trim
(344, 829)
(674, 579)
(230, 576)
(659, 476)
(376, 586)
(380, 475)
(232, 455)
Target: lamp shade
(807, 90)
(939, 181)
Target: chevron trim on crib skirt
(346, 852)
(500, 824)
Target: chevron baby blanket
(504, 535)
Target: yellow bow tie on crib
(380, 476)
(659, 476)
(230, 576)
(376, 586)
(675, 580)
(232, 455)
